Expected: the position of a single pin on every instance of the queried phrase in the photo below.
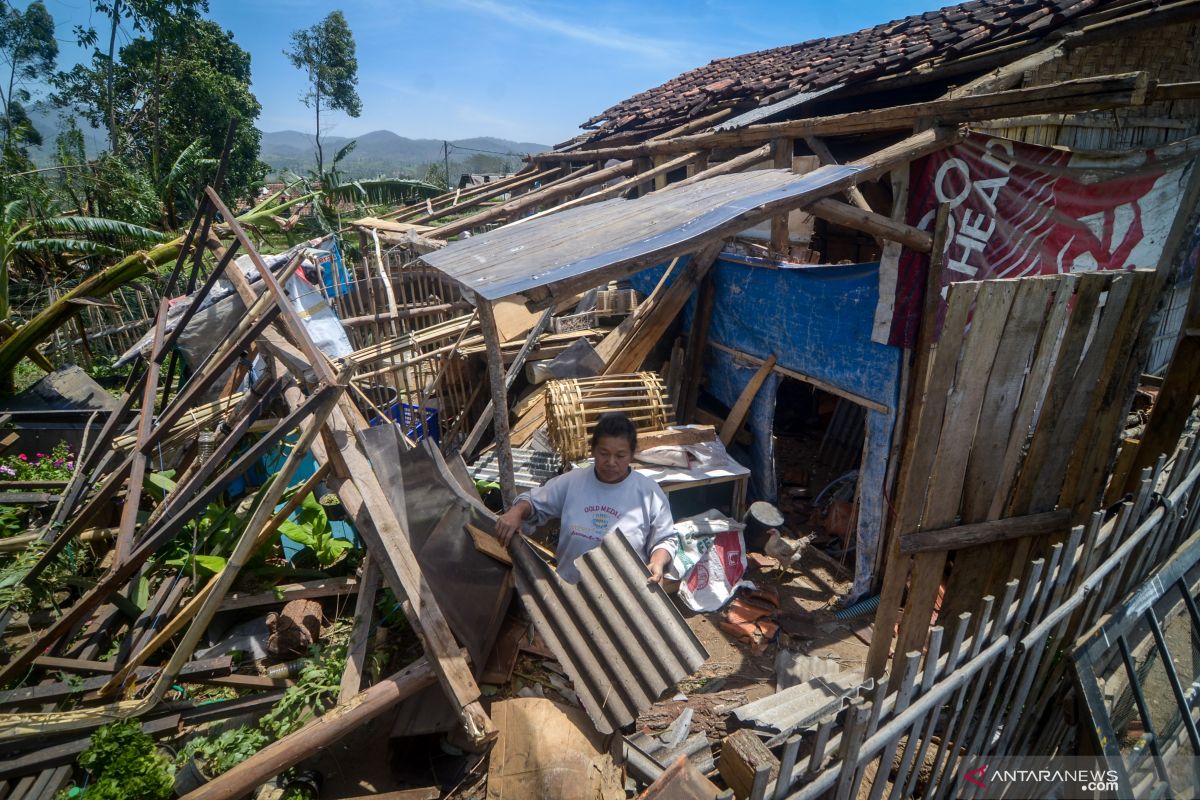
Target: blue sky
(527, 70)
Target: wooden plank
(57, 690)
(1095, 450)
(486, 543)
(693, 374)
(67, 752)
(984, 481)
(947, 478)
(495, 372)
(741, 408)
(360, 634)
(982, 533)
(742, 754)
(528, 201)
(781, 152)
(676, 436)
(513, 318)
(325, 587)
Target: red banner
(1018, 209)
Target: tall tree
(146, 16)
(170, 93)
(326, 54)
(28, 50)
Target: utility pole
(446, 161)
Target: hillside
(384, 152)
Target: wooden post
(495, 362)
(896, 567)
(697, 343)
(781, 151)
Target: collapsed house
(947, 260)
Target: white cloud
(653, 49)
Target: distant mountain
(386, 153)
(376, 153)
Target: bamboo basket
(574, 405)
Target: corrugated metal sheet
(801, 706)
(531, 468)
(621, 641)
(764, 113)
(594, 243)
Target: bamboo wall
(1170, 54)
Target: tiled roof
(927, 40)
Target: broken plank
(488, 545)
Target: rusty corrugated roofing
(924, 41)
(621, 641)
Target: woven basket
(573, 406)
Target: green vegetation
(122, 764)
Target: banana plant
(27, 239)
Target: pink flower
(23, 457)
(41, 455)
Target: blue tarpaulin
(817, 321)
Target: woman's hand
(659, 560)
(508, 523)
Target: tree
(145, 15)
(326, 54)
(181, 88)
(29, 50)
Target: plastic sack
(713, 579)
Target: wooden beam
(697, 343)
(781, 152)
(528, 201)
(742, 407)
(495, 369)
(822, 151)
(317, 734)
(621, 186)
(735, 164)
(1084, 94)
(877, 225)
(326, 587)
(980, 533)
(809, 379)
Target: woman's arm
(659, 560)
(508, 523)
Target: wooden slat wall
(1021, 414)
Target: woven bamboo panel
(573, 406)
(1170, 54)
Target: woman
(592, 501)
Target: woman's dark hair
(617, 425)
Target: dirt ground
(733, 676)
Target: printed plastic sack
(714, 578)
